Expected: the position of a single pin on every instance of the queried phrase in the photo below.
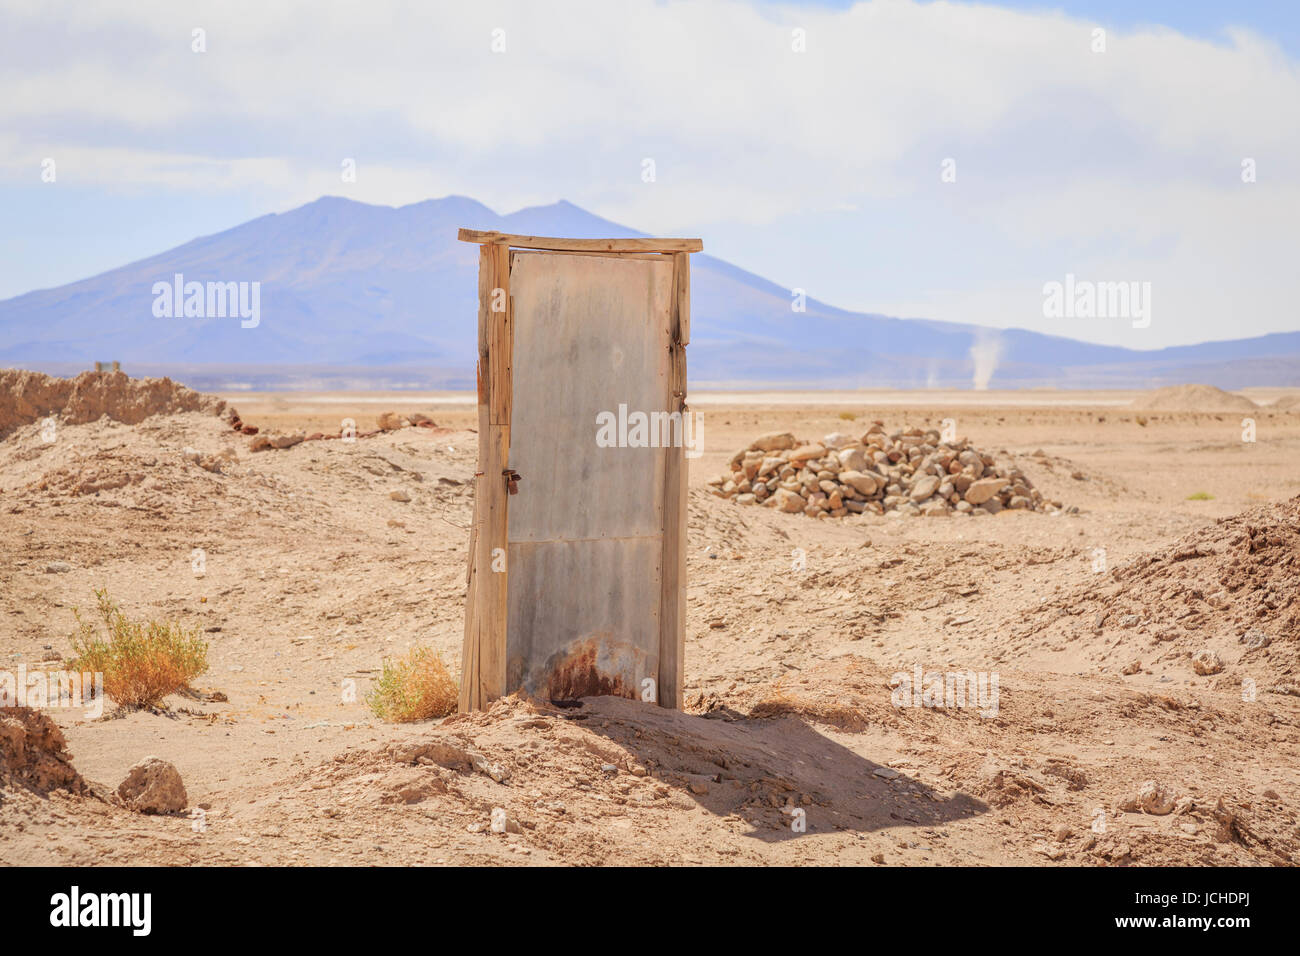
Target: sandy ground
(312, 574)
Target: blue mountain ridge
(374, 289)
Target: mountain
(354, 295)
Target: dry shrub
(415, 687)
(142, 661)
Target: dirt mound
(830, 752)
(1220, 601)
(1193, 398)
(34, 754)
(1287, 402)
(609, 781)
(26, 397)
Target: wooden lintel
(652, 256)
(553, 244)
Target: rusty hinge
(512, 480)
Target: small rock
(853, 459)
(773, 441)
(1153, 798)
(153, 786)
(1255, 638)
(982, 491)
(861, 482)
(1207, 662)
(807, 453)
(503, 822)
(484, 766)
(399, 495)
(789, 501)
(58, 567)
(287, 441)
(925, 486)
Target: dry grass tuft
(415, 687)
(142, 662)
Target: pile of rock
(387, 422)
(909, 472)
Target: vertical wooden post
(483, 657)
(672, 609)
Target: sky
(944, 160)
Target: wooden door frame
(483, 657)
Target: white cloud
(1058, 148)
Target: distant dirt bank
(1193, 398)
(27, 396)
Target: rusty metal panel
(583, 616)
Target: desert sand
(1186, 542)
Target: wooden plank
(672, 612)
(501, 339)
(493, 570)
(682, 287)
(585, 529)
(483, 650)
(471, 689)
(652, 256)
(555, 244)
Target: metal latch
(512, 480)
